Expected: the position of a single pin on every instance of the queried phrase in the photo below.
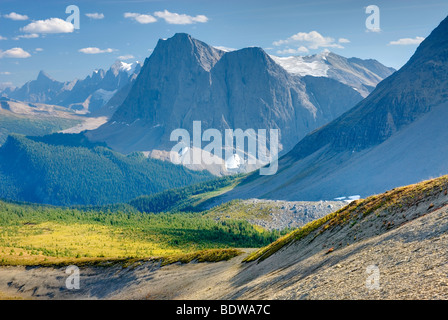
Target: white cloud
(126, 57)
(407, 41)
(3, 38)
(4, 85)
(6, 73)
(39, 49)
(140, 18)
(96, 16)
(27, 36)
(312, 40)
(16, 16)
(226, 49)
(52, 25)
(299, 50)
(343, 40)
(14, 53)
(176, 18)
(94, 50)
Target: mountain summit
(185, 80)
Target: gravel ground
(293, 214)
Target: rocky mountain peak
(43, 76)
(183, 48)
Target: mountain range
(361, 75)
(186, 80)
(395, 136)
(84, 96)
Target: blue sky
(32, 39)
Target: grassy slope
(32, 126)
(192, 198)
(43, 235)
(399, 198)
(238, 209)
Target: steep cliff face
(174, 80)
(185, 80)
(396, 136)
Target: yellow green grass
(51, 243)
(200, 199)
(5, 296)
(82, 240)
(44, 235)
(238, 209)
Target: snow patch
(233, 162)
(304, 66)
(104, 95)
(348, 199)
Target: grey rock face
(185, 80)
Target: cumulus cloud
(312, 40)
(140, 18)
(94, 50)
(126, 57)
(3, 38)
(52, 25)
(407, 41)
(14, 53)
(176, 18)
(16, 16)
(299, 50)
(343, 40)
(96, 16)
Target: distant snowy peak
(121, 66)
(361, 75)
